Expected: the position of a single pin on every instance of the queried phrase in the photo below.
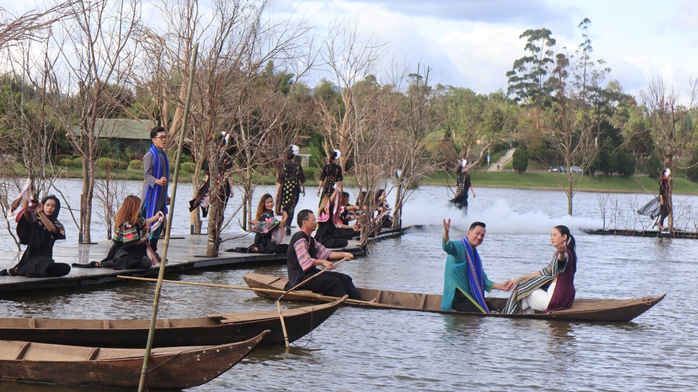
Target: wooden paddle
(314, 296)
(309, 279)
(283, 325)
(278, 305)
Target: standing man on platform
(156, 177)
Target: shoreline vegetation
(503, 179)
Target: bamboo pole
(283, 324)
(278, 305)
(310, 296)
(163, 259)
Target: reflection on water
(362, 349)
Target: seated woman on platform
(270, 231)
(38, 228)
(383, 219)
(551, 288)
(129, 249)
(349, 212)
(331, 231)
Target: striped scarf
(525, 287)
(476, 278)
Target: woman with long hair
(383, 219)
(332, 232)
(38, 228)
(350, 212)
(129, 249)
(270, 231)
(551, 288)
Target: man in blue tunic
(156, 176)
(465, 281)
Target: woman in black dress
(332, 232)
(330, 176)
(270, 231)
(290, 183)
(39, 228)
(383, 218)
(460, 200)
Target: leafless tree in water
(97, 51)
(350, 60)
(569, 128)
(665, 109)
(232, 95)
(416, 128)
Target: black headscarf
(53, 216)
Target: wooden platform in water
(185, 253)
(645, 233)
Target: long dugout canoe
(211, 330)
(595, 310)
(169, 368)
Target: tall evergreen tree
(528, 79)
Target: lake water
(361, 349)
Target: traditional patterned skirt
(289, 195)
(523, 289)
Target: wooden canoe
(599, 310)
(169, 367)
(211, 330)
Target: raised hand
(447, 227)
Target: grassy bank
(545, 180)
(503, 179)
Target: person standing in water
(460, 200)
(664, 198)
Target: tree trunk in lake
(86, 200)
(215, 200)
(214, 228)
(670, 195)
(569, 191)
(397, 214)
(570, 195)
(194, 217)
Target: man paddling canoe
(305, 254)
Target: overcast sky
(473, 43)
